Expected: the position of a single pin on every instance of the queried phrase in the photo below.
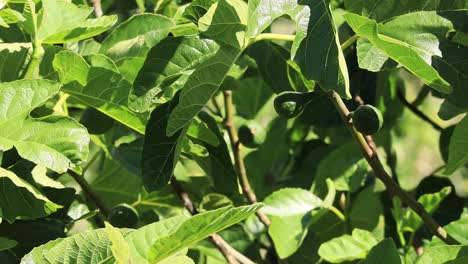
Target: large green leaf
(165, 64)
(99, 85)
(60, 21)
(292, 208)
(433, 36)
(381, 10)
(129, 42)
(348, 247)
(385, 252)
(157, 241)
(161, 152)
(20, 200)
(442, 254)
(112, 182)
(398, 51)
(57, 142)
(316, 48)
(88, 247)
(149, 244)
(458, 147)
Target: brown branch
(87, 190)
(416, 111)
(391, 186)
(97, 8)
(238, 161)
(232, 255)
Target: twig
(97, 7)
(416, 111)
(232, 255)
(89, 192)
(393, 188)
(349, 42)
(239, 162)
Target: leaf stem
(232, 255)
(236, 151)
(88, 191)
(394, 189)
(271, 36)
(97, 8)
(337, 212)
(32, 71)
(349, 42)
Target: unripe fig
(291, 104)
(251, 135)
(123, 215)
(367, 119)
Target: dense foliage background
(206, 131)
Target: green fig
(123, 215)
(291, 104)
(367, 119)
(252, 135)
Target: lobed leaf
(399, 52)
(57, 142)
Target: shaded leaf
(6, 243)
(166, 63)
(385, 252)
(315, 33)
(12, 59)
(129, 43)
(458, 147)
(161, 152)
(19, 200)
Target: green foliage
(118, 125)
